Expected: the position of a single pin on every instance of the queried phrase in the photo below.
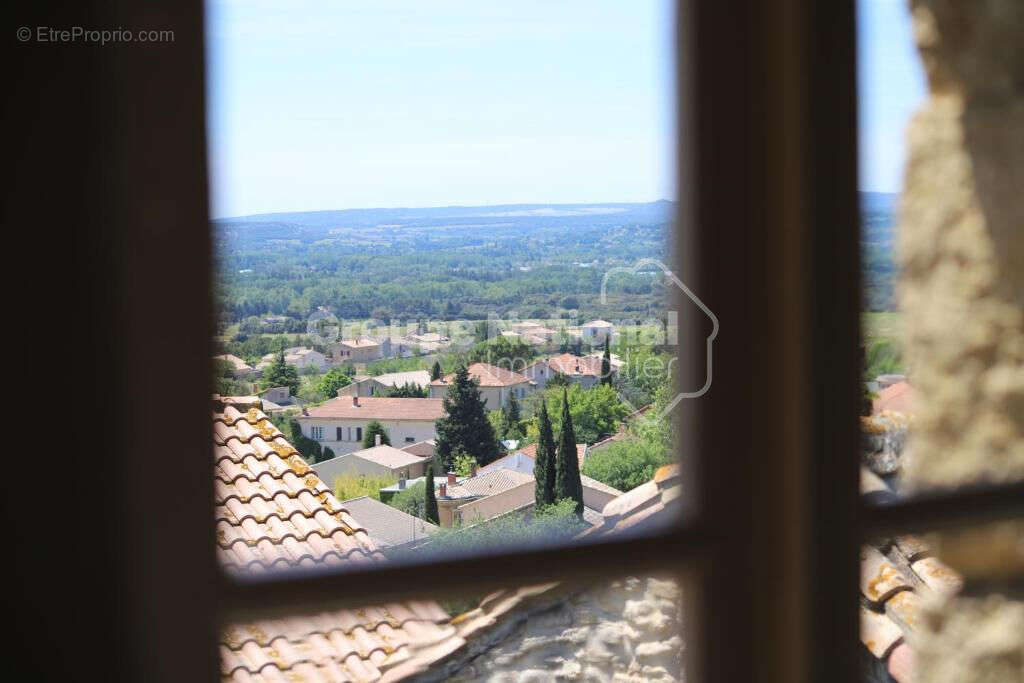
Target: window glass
(415, 207)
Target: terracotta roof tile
(273, 512)
(894, 575)
(898, 397)
(379, 408)
(487, 375)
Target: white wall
(398, 431)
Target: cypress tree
(435, 372)
(465, 426)
(606, 364)
(544, 465)
(430, 502)
(567, 466)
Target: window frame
(767, 105)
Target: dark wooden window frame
(767, 236)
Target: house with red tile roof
(340, 423)
(582, 370)
(496, 385)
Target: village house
(582, 370)
(595, 494)
(356, 350)
(239, 368)
(379, 461)
(596, 332)
(299, 356)
(366, 385)
(339, 424)
(496, 385)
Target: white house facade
(340, 424)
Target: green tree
(280, 374)
(411, 500)
(465, 426)
(335, 379)
(430, 498)
(407, 390)
(606, 364)
(596, 412)
(567, 466)
(465, 464)
(626, 464)
(435, 371)
(544, 465)
(325, 454)
(373, 428)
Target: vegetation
(349, 486)
(465, 464)
(596, 412)
(373, 430)
(432, 264)
(335, 379)
(544, 463)
(465, 427)
(412, 500)
(435, 371)
(280, 374)
(606, 363)
(567, 467)
(407, 390)
(430, 496)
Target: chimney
(472, 470)
(451, 479)
(355, 401)
(376, 439)
(442, 491)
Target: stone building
(962, 292)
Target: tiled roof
(487, 484)
(420, 378)
(656, 502)
(387, 456)
(388, 525)
(488, 375)
(236, 362)
(380, 408)
(897, 397)
(360, 342)
(598, 323)
(273, 512)
(895, 574)
(531, 451)
(568, 364)
(424, 449)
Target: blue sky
(330, 105)
(891, 86)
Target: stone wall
(962, 292)
(630, 630)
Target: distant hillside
(502, 219)
(878, 225)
